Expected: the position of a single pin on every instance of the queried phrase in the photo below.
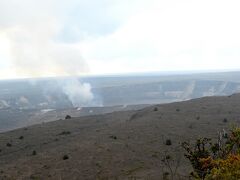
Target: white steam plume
(78, 93)
(37, 51)
(40, 56)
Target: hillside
(118, 145)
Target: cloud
(173, 35)
(52, 38)
(36, 54)
(42, 35)
(30, 28)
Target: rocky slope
(118, 145)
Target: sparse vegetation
(145, 148)
(170, 165)
(190, 126)
(195, 153)
(68, 117)
(166, 175)
(220, 160)
(34, 153)
(168, 142)
(8, 144)
(65, 133)
(228, 168)
(65, 157)
(113, 137)
(33, 177)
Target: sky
(97, 37)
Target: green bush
(219, 160)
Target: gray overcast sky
(59, 37)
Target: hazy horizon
(130, 74)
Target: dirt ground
(119, 145)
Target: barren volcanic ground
(119, 145)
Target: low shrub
(68, 117)
(65, 157)
(113, 137)
(8, 144)
(65, 133)
(225, 120)
(219, 160)
(168, 142)
(34, 153)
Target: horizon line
(130, 74)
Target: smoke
(23, 100)
(40, 56)
(4, 104)
(34, 39)
(36, 54)
(44, 41)
(78, 93)
(37, 51)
